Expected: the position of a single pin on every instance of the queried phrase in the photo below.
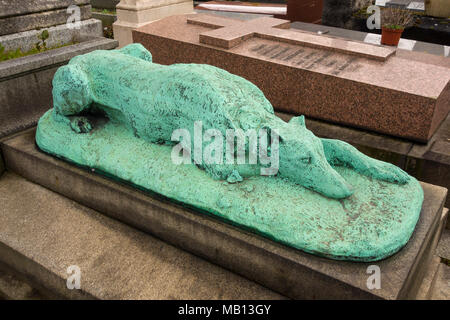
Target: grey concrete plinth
(14, 24)
(26, 83)
(285, 270)
(43, 233)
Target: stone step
(441, 286)
(14, 287)
(443, 248)
(26, 83)
(282, 269)
(432, 267)
(43, 233)
(428, 280)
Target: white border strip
(246, 9)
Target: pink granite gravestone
(382, 89)
(228, 34)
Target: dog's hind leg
(341, 153)
(71, 96)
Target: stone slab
(405, 44)
(15, 24)
(26, 83)
(398, 3)
(244, 7)
(235, 15)
(282, 269)
(307, 10)
(38, 238)
(391, 96)
(228, 34)
(281, 211)
(57, 35)
(32, 6)
(416, 6)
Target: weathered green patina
(327, 198)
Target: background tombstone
(305, 11)
(346, 82)
(339, 13)
(132, 14)
(26, 82)
(437, 8)
(105, 10)
(30, 15)
(105, 4)
(21, 23)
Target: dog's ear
(298, 121)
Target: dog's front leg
(72, 96)
(341, 153)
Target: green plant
(394, 18)
(43, 37)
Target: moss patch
(39, 47)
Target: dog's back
(156, 99)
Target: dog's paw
(388, 172)
(80, 125)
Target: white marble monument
(132, 14)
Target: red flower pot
(391, 37)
